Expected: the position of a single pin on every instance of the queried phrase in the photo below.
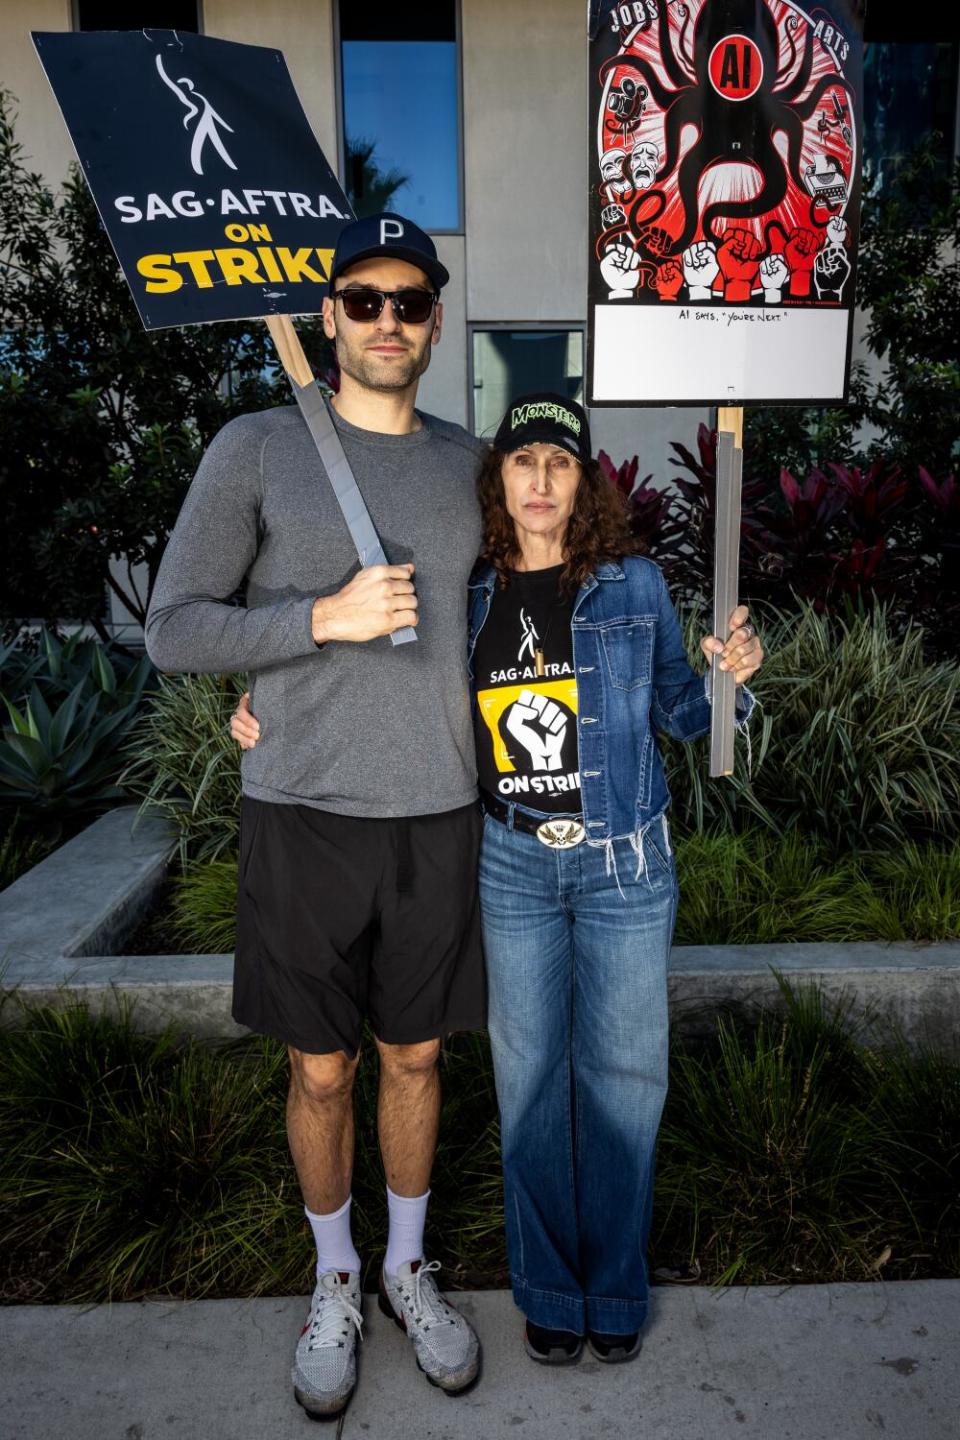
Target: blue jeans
(577, 950)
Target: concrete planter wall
(63, 924)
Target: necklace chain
(539, 649)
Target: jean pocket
(628, 651)
(656, 842)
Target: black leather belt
(563, 833)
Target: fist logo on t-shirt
(539, 724)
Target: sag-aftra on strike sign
(217, 198)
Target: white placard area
(731, 354)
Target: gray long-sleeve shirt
(357, 729)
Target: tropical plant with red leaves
(870, 496)
(842, 534)
(650, 512)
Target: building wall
(40, 128)
(303, 30)
(525, 164)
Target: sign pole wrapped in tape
(216, 197)
(725, 173)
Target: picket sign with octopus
(725, 160)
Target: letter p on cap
(390, 230)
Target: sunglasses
(410, 307)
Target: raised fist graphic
(669, 280)
(773, 277)
(612, 215)
(620, 270)
(700, 269)
(800, 253)
(655, 240)
(739, 258)
(540, 726)
(830, 273)
(837, 231)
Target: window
(137, 15)
(509, 362)
(910, 68)
(399, 74)
(927, 74)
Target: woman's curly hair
(597, 533)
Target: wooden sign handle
(317, 417)
(287, 341)
(726, 581)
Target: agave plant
(57, 666)
(56, 762)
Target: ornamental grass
(790, 1150)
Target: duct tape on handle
(314, 410)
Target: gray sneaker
(325, 1370)
(446, 1346)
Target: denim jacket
(633, 678)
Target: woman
(576, 656)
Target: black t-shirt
(526, 724)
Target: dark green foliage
(133, 1165)
(755, 888)
(58, 665)
(857, 742)
(906, 284)
(793, 1152)
(204, 909)
(184, 765)
(67, 709)
(790, 1151)
(20, 849)
(103, 424)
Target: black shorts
(341, 919)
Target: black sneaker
(551, 1347)
(614, 1349)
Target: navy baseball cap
(391, 236)
(545, 418)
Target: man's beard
(375, 373)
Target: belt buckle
(561, 834)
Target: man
(359, 822)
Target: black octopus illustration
(741, 130)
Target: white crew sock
(405, 1237)
(335, 1248)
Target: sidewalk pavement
(818, 1362)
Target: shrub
(857, 741)
(103, 423)
(134, 1165)
(19, 852)
(763, 1165)
(68, 707)
(183, 763)
(205, 907)
(748, 889)
(842, 535)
